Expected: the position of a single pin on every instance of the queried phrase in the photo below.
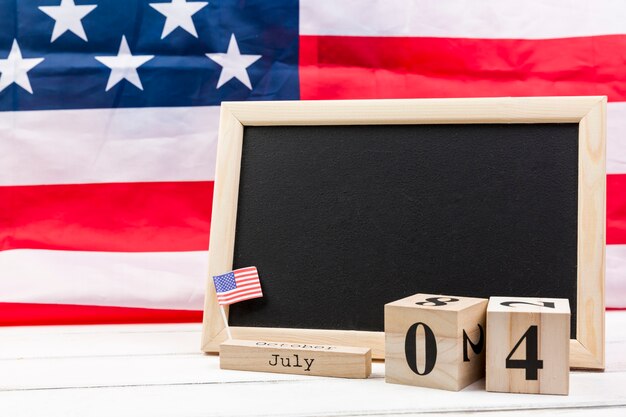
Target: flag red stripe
(616, 209)
(25, 314)
(95, 217)
(120, 217)
(350, 67)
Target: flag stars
(68, 17)
(178, 14)
(124, 66)
(234, 64)
(14, 69)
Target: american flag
(238, 285)
(109, 113)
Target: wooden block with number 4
(435, 341)
(528, 345)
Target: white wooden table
(157, 370)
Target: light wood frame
(586, 351)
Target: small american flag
(238, 285)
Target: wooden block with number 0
(528, 345)
(435, 341)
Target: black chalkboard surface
(345, 206)
(340, 220)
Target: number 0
(430, 346)
(531, 364)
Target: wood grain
(448, 323)
(224, 218)
(296, 358)
(507, 328)
(591, 238)
(422, 111)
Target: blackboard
(344, 219)
(347, 205)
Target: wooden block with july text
(296, 358)
(528, 345)
(435, 341)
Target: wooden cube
(435, 341)
(528, 345)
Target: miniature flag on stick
(238, 285)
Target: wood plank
(135, 370)
(124, 371)
(591, 238)
(431, 111)
(310, 397)
(573, 412)
(225, 197)
(295, 358)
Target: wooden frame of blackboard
(586, 351)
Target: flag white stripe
(108, 145)
(175, 279)
(164, 280)
(616, 138)
(156, 144)
(489, 19)
(616, 276)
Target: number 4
(531, 364)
